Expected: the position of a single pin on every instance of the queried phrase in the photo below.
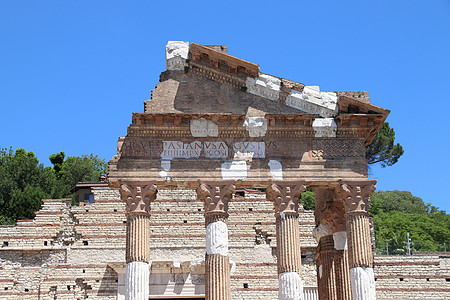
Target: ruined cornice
(235, 65)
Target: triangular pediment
(217, 115)
(206, 80)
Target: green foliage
(308, 200)
(57, 160)
(87, 168)
(24, 182)
(383, 150)
(22, 185)
(396, 213)
(401, 201)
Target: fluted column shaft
(138, 238)
(325, 266)
(285, 196)
(216, 196)
(355, 195)
(331, 228)
(137, 197)
(288, 244)
(342, 271)
(359, 244)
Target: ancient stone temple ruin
(215, 124)
(204, 198)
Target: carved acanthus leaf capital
(356, 195)
(216, 196)
(285, 196)
(334, 213)
(138, 197)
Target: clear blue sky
(72, 72)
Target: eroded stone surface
(363, 283)
(324, 127)
(176, 55)
(204, 128)
(321, 231)
(290, 286)
(217, 238)
(311, 100)
(236, 169)
(276, 169)
(340, 240)
(265, 86)
(137, 280)
(256, 126)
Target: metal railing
(310, 293)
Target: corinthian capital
(333, 212)
(356, 195)
(285, 196)
(138, 197)
(215, 195)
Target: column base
(290, 286)
(137, 280)
(363, 283)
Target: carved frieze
(216, 196)
(337, 148)
(356, 195)
(285, 196)
(138, 197)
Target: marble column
(137, 198)
(285, 196)
(355, 196)
(216, 196)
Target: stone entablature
(212, 112)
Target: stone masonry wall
(425, 276)
(76, 252)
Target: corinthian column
(137, 198)
(355, 197)
(285, 196)
(323, 234)
(215, 196)
(333, 213)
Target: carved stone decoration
(324, 127)
(138, 197)
(321, 231)
(356, 195)
(333, 212)
(215, 196)
(256, 126)
(285, 196)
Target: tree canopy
(397, 213)
(383, 149)
(24, 181)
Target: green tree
(397, 213)
(57, 160)
(383, 149)
(87, 168)
(402, 201)
(426, 233)
(23, 183)
(308, 200)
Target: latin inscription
(178, 149)
(196, 149)
(249, 150)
